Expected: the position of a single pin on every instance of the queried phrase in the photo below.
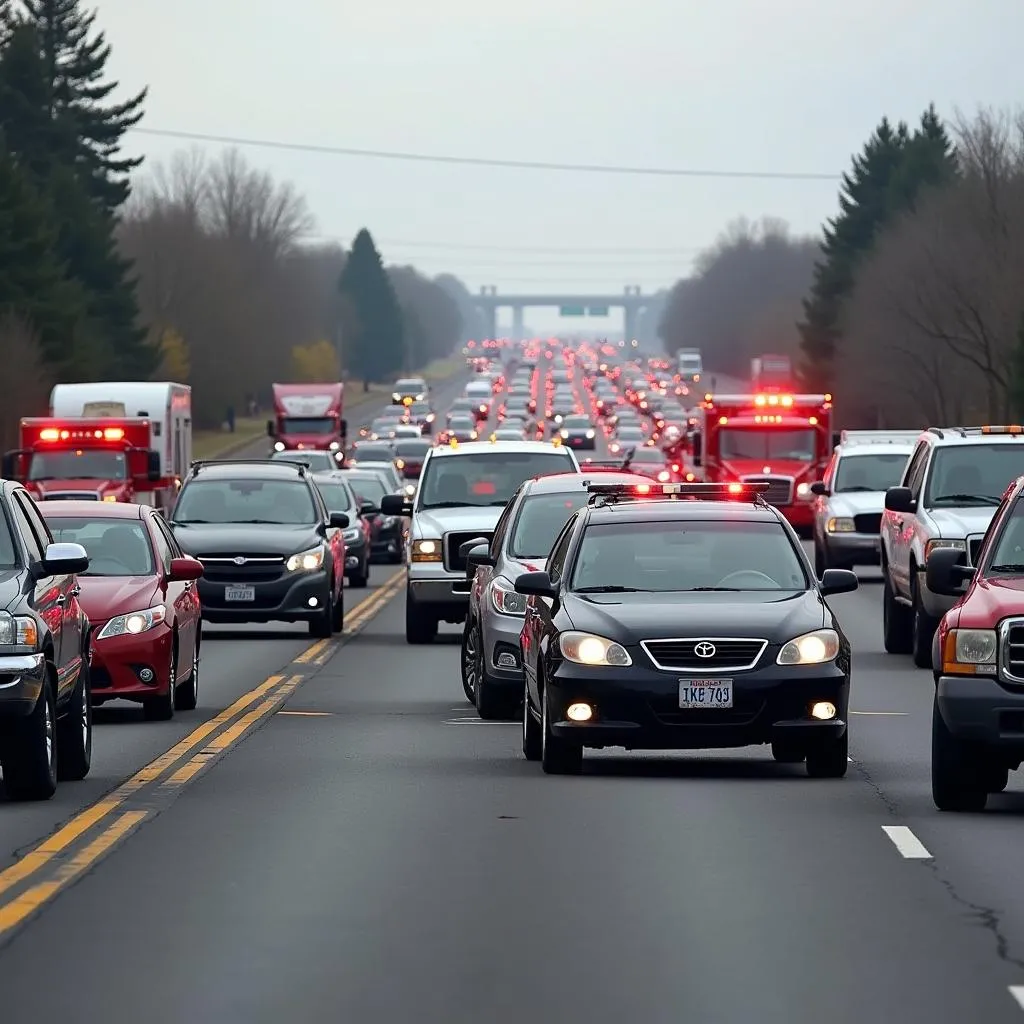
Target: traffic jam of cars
(634, 559)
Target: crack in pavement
(890, 805)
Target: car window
(163, 550)
(556, 561)
(651, 456)
(369, 488)
(1007, 550)
(116, 547)
(373, 453)
(336, 495)
(165, 532)
(501, 527)
(540, 520)
(8, 548)
(283, 502)
(872, 471)
(686, 556)
(484, 479)
(975, 474)
(35, 538)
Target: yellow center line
(308, 714)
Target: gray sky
(726, 85)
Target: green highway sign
(597, 311)
(572, 311)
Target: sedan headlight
(970, 652)
(841, 524)
(18, 630)
(588, 649)
(426, 551)
(306, 561)
(815, 648)
(134, 623)
(504, 598)
(351, 536)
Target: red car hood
(991, 600)
(103, 597)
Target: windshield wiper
(611, 589)
(190, 522)
(694, 590)
(1007, 567)
(981, 499)
(448, 504)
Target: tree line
(197, 270)
(908, 306)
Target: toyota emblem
(704, 649)
(241, 561)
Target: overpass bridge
(576, 305)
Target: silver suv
(462, 491)
(850, 499)
(950, 489)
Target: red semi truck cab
(90, 459)
(781, 439)
(308, 417)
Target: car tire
(788, 753)
(161, 708)
(829, 759)
(29, 751)
(186, 697)
(420, 626)
(922, 633)
(959, 781)
(897, 621)
(532, 739)
(557, 756)
(74, 731)
(467, 665)
(360, 579)
(323, 625)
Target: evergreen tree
(1016, 382)
(75, 60)
(929, 160)
(375, 347)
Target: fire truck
(783, 440)
(107, 441)
(308, 416)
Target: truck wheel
(420, 626)
(959, 781)
(896, 622)
(74, 732)
(29, 752)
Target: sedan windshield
(686, 556)
(116, 547)
(245, 501)
(648, 456)
(485, 478)
(540, 520)
(373, 453)
(576, 423)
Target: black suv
(270, 549)
(45, 707)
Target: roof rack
(608, 494)
(1015, 430)
(865, 437)
(198, 464)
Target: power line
(391, 257)
(567, 250)
(477, 161)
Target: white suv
(462, 491)
(951, 487)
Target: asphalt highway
(355, 845)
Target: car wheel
(532, 740)
(186, 697)
(29, 752)
(896, 621)
(74, 731)
(557, 756)
(959, 780)
(360, 579)
(420, 626)
(161, 708)
(923, 631)
(468, 663)
(322, 626)
(788, 753)
(829, 759)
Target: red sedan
(143, 606)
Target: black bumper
(583, 443)
(638, 708)
(21, 681)
(982, 710)
(281, 600)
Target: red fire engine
(93, 459)
(783, 440)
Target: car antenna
(628, 460)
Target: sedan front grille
(780, 488)
(868, 522)
(454, 562)
(242, 568)
(699, 654)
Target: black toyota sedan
(689, 621)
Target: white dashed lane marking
(906, 842)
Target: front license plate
(705, 693)
(239, 593)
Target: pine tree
(75, 59)
(377, 348)
(929, 160)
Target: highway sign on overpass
(572, 311)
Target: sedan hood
(218, 539)
(439, 521)
(957, 523)
(630, 618)
(855, 503)
(103, 597)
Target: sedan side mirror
(63, 560)
(947, 572)
(900, 499)
(536, 584)
(469, 546)
(184, 570)
(819, 488)
(338, 520)
(838, 581)
(395, 505)
(367, 508)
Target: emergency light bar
(859, 437)
(104, 434)
(705, 491)
(762, 401)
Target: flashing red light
(49, 434)
(735, 488)
(690, 478)
(675, 467)
(643, 488)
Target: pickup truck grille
(974, 549)
(717, 655)
(868, 522)
(453, 562)
(1012, 649)
(780, 488)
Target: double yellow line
(70, 847)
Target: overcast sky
(790, 86)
